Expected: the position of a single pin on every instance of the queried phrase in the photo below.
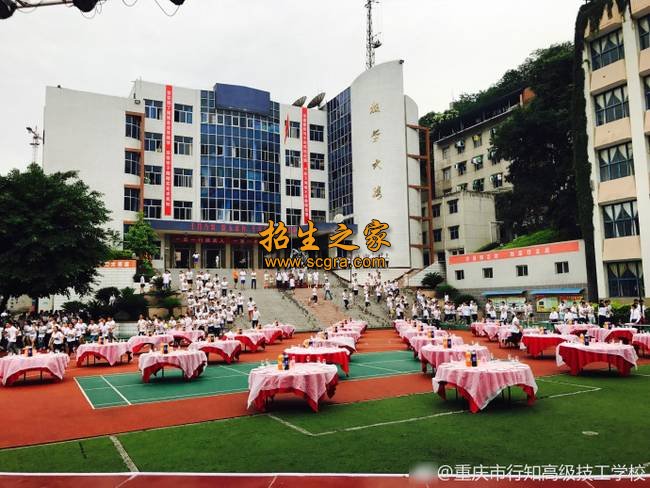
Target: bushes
(488, 247)
(170, 303)
(464, 298)
(446, 289)
(131, 304)
(144, 268)
(119, 254)
(104, 294)
(431, 280)
(73, 306)
(543, 236)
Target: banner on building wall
(167, 170)
(306, 192)
(522, 252)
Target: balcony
(622, 248)
(612, 133)
(612, 75)
(617, 190)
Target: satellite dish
(316, 101)
(300, 102)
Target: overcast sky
(288, 47)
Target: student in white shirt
(255, 318)
(57, 340)
(328, 291)
(11, 333)
(635, 314)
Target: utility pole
(36, 142)
(372, 41)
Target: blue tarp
(558, 291)
(500, 293)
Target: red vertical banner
(306, 191)
(168, 149)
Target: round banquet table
(344, 333)
(576, 329)
(153, 341)
(358, 325)
(417, 342)
(229, 350)
(111, 352)
(14, 366)
(311, 381)
(436, 355)
(191, 363)
(271, 334)
(480, 385)
(342, 342)
(287, 329)
(576, 355)
(535, 344)
(408, 332)
(642, 341)
(187, 335)
(615, 334)
(251, 339)
(491, 330)
(331, 355)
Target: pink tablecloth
(311, 381)
(344, 342)
(251, 339)
(574, 328)
(331, 355)
(229, 349)
(576, 355)
(358, 325)
(349, 333)
(287, 329)
(272, 334)
(642, 341)
(480, 385)
(138, 342)
(437, 355)
(191, 363)
(187, 335)
(417, 342)
(478, 328)
(616, 334)
(14, 366)
(112, 352)
(536, 343)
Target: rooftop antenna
(372, 40)
(36, 141)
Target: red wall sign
(306, 192)
(520, 252)
(168, 149)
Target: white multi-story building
(210, 168)
(617, 92)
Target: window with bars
(488, 273)
(292, 187)
(616, 162)
(153, 141)
(460, 274)
(316, 161)
(132, 199)
(317, 189)
(316, 132)
(621, 220)
(153, 109)
(183, 145)
(479, 184)
(294, 129)
(132, 163)
(497, 180)
(454, 232)
(625, 279)
(477, 161)
(521, 270)
(562, 267)
(644, 32)
(292, 158)
(318, 216)
(437, 235)
(462, 168)
(607, 49)
(183, 177)
(182, 113)
(132, 127)
(152, 208)
(435, 210)
(293, 216)
(611, 105)
(182, 210)
(452, 205)
(152, 174)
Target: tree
(431, 280)
(51, 234)
(537, 139)
(141, 239)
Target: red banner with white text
(306, 192)
(167, 170)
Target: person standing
(195, 259)
(346, 299)
(253, 280)
(12, 333)
(242, 279)
(255, 318)
(328, 291)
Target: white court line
(235, 370)
(203, 378)
(84, 394)
(116, 391)
(128, 462)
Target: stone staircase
(415, 280)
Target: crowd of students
(56, 332)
